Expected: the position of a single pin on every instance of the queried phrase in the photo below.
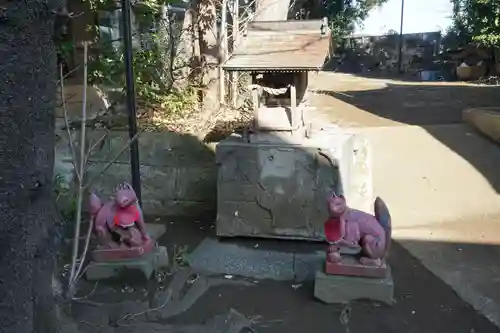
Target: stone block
(165, 190)
(271, 189)
(216, 257)
(343, 289)
(196, 183)
(157, 149)
(176, 208)
(158, 183)
(147, 264)
(350, 266)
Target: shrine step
(277, 118)
(147, 264)
(343, 289)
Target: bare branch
(94, 146)
(85, 249)
(66, 123)
(110, 163)
(133, 315)
(61, 77)
(81, 167)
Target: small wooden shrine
(272, 179)
(279, 55)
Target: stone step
(277, 119)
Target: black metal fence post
(400, 55)
(131, 102)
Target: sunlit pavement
(445, 204)
(439, 177)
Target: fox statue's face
(125, 195)
(336, 205)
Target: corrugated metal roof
(281, 45)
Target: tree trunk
(27, 211)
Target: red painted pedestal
(350, 266)
(118, 254)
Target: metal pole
(223, 48)
(131, 103)
(400, 56)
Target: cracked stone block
(343, 289)
(275, 188)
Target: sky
(419, 16)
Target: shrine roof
(281, 45)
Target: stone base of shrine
(275, 185)
(343, 289)
(146, 265)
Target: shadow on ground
(424, 303)
(431, 105)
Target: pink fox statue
(352, 228)
(119, 222)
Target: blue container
(429, 75)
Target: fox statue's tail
(384, 218)
(95, 204)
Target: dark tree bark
(28, 75)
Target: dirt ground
(424, 304)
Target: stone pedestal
(147, 264)
(154, 231)
(343, 289)
(107, 255)
(153, 259)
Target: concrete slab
(155, 230)
(343, 289)
(146, 264)
(306, 265)
(282, 263)
(214, 257)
